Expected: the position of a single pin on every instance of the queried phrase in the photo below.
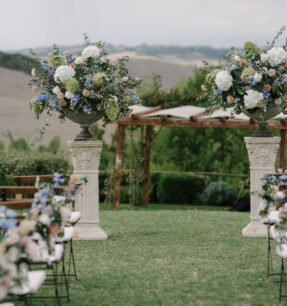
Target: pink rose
(65, 212)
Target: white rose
(57, 199)
(69, 95)
(257, 77)
(63, 73)
(236, 58)
(56, 90)
(115, 98)
(252, 98)
(125, 79)
(223, 80)
(264, 57)
(33, 72)
(45, 220)
(91, 51)
(276, 56)
(79, 60)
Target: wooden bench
(16, 192)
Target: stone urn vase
(261, 116)
(85, 120)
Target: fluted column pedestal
(262, 152)
(86, 159)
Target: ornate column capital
(262, 151)
(85, 155)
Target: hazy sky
(32, 23)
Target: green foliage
(33, 163)
(201, 150)
(125, 194)
(152, 94)
(219, 194)
(5, 179)
(180, 189)
(19, 144)
(53, 147)
(16, 62)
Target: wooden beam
(163, 121)
(147, 112)
(118, 167)
(281, 163)
(147, 165)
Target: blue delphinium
(266, 93)
(75, 99)
(57, 179)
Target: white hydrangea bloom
(264, 57)
(69, 95)
(91, 51)
(56, 90)
(33, 72)
(79, 60)
(45, 219)
(63, 73)
(257, 77)
(223, 80)
(252, 98)
(276, 55)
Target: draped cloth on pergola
(192, 116)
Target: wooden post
(281, 163)
(118, 167)
(147, 165)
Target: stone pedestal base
(262, 152)
(255, 229)
(89, 232)
(86, 159)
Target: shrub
(5, 179)
(219, 194)
(180, 189)
(33, 163)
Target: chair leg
(270, 262)
(55, 277)
(65, 279)
(73, 260)
(282, 280)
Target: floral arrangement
(251, 78)
(16, 250)
(86, 82)
(273, 210)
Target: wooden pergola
(145, 118)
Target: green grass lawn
(173, 257)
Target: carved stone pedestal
(262, 152)
(86, 159)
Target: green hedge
(180, 189)
(5, 179)
(33, 163)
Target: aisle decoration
(252, 81)
(83, 87)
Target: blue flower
(10, 213)
(266, 93)
(217, 91)
(57, 178)
(88, 82)
(251, 81)
(86, 109)
(44, 97)
(10, 223)
(76, 99)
